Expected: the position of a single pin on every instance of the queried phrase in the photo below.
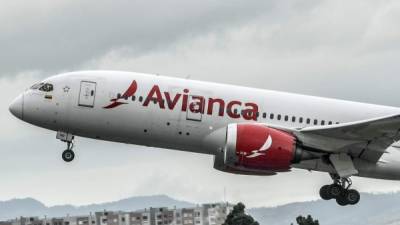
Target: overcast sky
(341, 49)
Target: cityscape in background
(206, 214)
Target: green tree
(239, 217)
(301, 220)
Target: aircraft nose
(16, 107)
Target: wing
(366, 139)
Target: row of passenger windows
(295, 119)
(271, 116)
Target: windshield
(45, 87)
(37, 86)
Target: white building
(207, 214)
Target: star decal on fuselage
(66, 89)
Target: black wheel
(352, 196)
(335, 190)
(324, 192)
(342, 200)
(68, 155)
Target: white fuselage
(182, 113)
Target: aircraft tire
(68, 155)
(342, 200)
(324, 192)
(335, 190)
(352, 196)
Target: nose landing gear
(340, 191)
(68, 155)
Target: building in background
(5, 223)
(207, 214)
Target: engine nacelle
(257, 149)
(256, 146)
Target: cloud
(294, 48)
(57, 35)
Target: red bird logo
(263, 150)
(128, 93)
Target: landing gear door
(87, 94)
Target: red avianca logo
(128, 93)
(194, 103)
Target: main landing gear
(68, 155)
(340, 190)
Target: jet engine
(257, 149)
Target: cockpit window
(46, 87)
(37, 86)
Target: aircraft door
(87, 94)
(195, 109)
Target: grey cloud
(64, 37)
(65, 34)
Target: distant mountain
(31, 207)
(380, 209)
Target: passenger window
(315, 122)
(271, 116)
(308, 121)
(286, 118)
(46, 87)
(264, 115)
(301, 120)
(133, 98)
(323, 122)
(140, 99)
(293, 119)
(330, 123)
(279, 117)
(118, 95)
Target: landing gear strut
(340, 190)
(68, 155)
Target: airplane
(248, 131)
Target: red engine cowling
(258, 147)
